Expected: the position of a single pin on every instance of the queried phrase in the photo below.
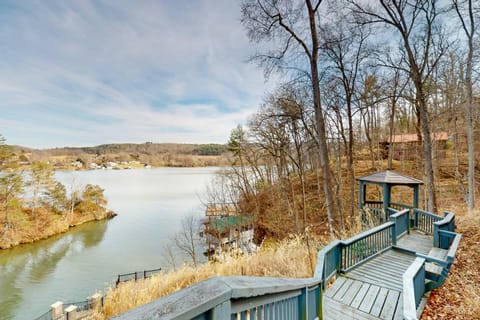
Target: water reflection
(28, 265)
(150, 205)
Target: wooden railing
(237, 298)
(424, 221)
(373, 204)
(328, 262)
(413, 288)
(445, 224)
(399, 206)
(359, 248)
(401, 220)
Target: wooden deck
(373, 290)
(416, 241)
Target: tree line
(33, 204)
(354, 73)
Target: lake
(150, 204)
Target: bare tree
(294, 25)
(344, 51)
(466, 13)
(187, 239)
(418, 25)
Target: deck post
(71, 313)
(394, 232)
(303, 304)
(222, 311)
(361, 195)
(386, 201)
(56, 310)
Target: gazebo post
(387, 189)
(387, 180)
(415, 196)
(362, 191)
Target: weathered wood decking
(374, 289)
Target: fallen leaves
(459, 297)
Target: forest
(365, 86)
(136, 155)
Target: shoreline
(56, 228)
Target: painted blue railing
(413, 288)
(401, 220)
(400, 206)
(359, 248)
(445, 224)
(282, 298)
(237, 298)
(424, 221)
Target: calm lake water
(150, 203)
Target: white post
(96, 301)
(71, 312)
(57, 310)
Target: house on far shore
(226, 228)
(407, 147)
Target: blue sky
(80, 72)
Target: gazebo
(386, 180)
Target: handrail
(400, 206)
(360, 248)
(220, 297)
(447, 224)
(327, 262)
(402, 223)
(424, 221)
(454, 247)
(413, 288)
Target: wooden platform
(416, 241)
(373, 290)
(353, 299)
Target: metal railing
(89, 303)
(46, 316)
(136, 275)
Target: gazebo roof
(390, 177)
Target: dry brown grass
(288, 258)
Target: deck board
(373, 289)
(391, 303)
(416, 241)
(362, 301)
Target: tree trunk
(320, 123)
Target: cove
(150, 204)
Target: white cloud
(89, 72)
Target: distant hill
(129, 155)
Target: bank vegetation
(34, 205)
